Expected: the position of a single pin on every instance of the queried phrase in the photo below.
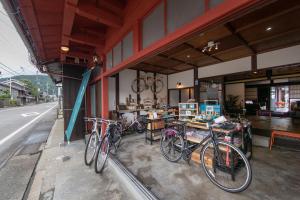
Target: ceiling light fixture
(254, 72)
(210, 46)
(64, 48)
(269, 28)
(188, 56)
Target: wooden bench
(282, 134)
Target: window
(214, 3)
(181, 12)
(127, 46)
(109, 60)
(117, 54)
(153, 26)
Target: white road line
(25, 126)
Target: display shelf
(188, 110)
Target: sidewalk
(61, 173)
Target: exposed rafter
(68, 20)
(99, 15)
(114, 5)
(239, 37)
(160, 67)
(86, 40)
(204, 53)
(177, 60)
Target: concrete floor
(275, 174)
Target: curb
(135, 187)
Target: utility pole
(10, 92)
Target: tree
(32, 88)
(4, 94)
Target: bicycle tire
(248, 144)
(159, 86)
(138, 88)
(166, 136)
(104, 141)
(88, 161)
(209, 172)
(140, 128)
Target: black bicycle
(109, 143)
(225, 165)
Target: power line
(8, 68)
(7, 71)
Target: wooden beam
(92, 31)
(175, 59)
(68, 20)
(204, 53)
(274, 15)
(114, 5)
(254, 63)
(29, 12)
(99, 15)
(86, 40)
(159, 67)
(239, 37)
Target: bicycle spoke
(226, 167)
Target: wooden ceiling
(244, 36)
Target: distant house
(19, 91)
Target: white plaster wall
(236, 89)
(112, 93)
(146, 94)
(279, 57)
(162, 97)
(186, 78)
(125, 79)
(234, 66)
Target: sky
(13, 52)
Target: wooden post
(196, 85)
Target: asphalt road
(22, 131)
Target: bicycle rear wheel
(102, 154)
(226, 166)
(91, 148)
(138, 85)
(171, 145)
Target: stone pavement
(61, 174)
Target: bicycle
(138, 124)
(143, 83)
(111, 139)
(93, 141)
(228, 162)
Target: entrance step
(135, 187)
(260, 141)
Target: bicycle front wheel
(226, 166)
(102, 155)
(171, 145)
(91, 148)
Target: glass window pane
(214, 3)
(117, 54)
(153, 26)
(174, 97)
(127, 46)
(181, 12)
(109, 60)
